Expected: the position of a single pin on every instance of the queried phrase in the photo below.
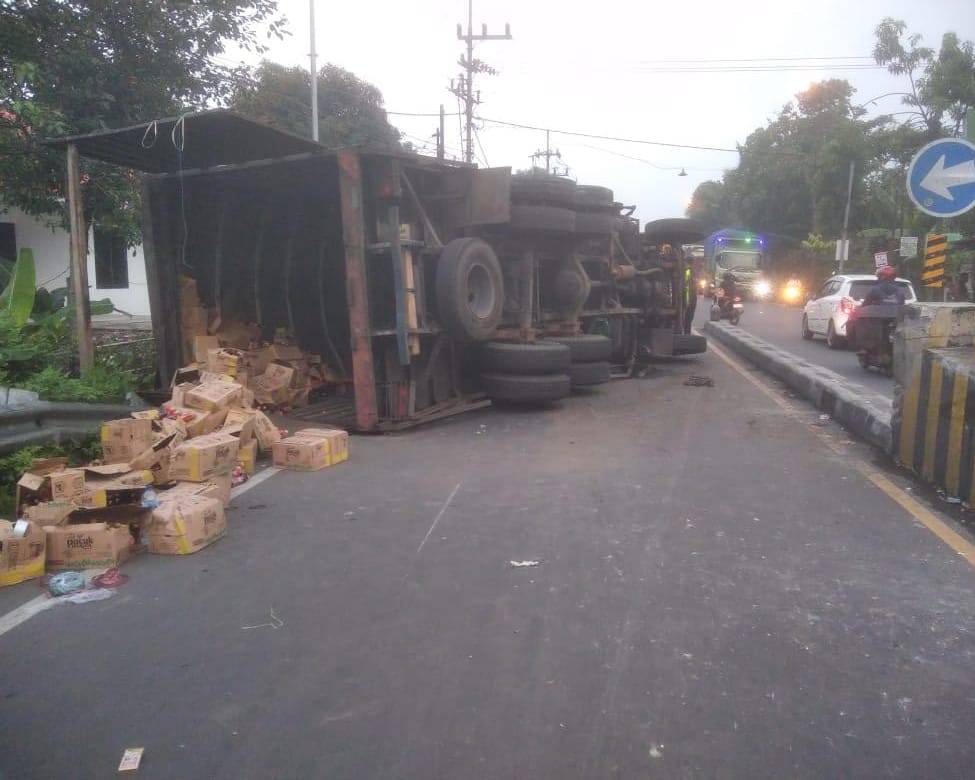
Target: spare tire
(553, 190)
(689, 344)
(586, 374)
(543, 219)
(531, 388)
(470, 289)
(543, 357)
(587, 348)
(587, 195)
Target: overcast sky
(602, 68)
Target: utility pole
(440, 138)
(465, 90)
(845, 251)
(79, 264)
(548, 154)
(314, 73)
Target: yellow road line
(908, 503)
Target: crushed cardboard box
(113, 485)
(186, 524)
(239, 423)
(22, 552)
(248, 457)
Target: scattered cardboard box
(50, 513)
(239, 423)
(22, 552)
(271, 390)
(266, 431)
(113, 485)
(122, 440)
(47, 477)
(312, 449)
(196, 421)
(213, 395)
(202, 345)
(87, 546)
(186, 525)
(248, 457)
(198, 459)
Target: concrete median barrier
(864, 413)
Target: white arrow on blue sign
(941, 178)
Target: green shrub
(12, 467)
(100, 385)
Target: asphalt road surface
(782, 325)
(720, 592)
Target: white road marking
(439, 515)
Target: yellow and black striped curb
(935, 254)
(936, 433)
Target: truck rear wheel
(587, 374)
(587, 196)
(594, 224)
(470, 289)
(526, 388)
(544, 357)
(586, 348)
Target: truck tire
(543, 357)
(594, 224)
(587, 196)
(527, 387)
(587, 348)
(587, 374)
(689, 344)
(470, 289)
(553, 190)
(543, 219)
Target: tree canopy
(75, 66)
(792, 175)
(350, 110)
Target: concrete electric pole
(465, 90)
(314, 73)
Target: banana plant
(17, 298)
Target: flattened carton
(213, 395)
(87, 546)
(21, 556)
(122, 440)
(196, 421)
(186, 524)
(199, 459)
(216, 487)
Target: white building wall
(51, 247)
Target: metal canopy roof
(208, 139)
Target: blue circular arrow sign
(941, 178)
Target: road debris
(274, 623)
(131, 759)
(655, 751)
(66, 582)
(699, 381)
(522, 564)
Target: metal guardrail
(40, 422)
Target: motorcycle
(870, 330)
(726, 307)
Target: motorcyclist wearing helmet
(730, 289)
(886, 290)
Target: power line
(607, 137)
(767, 59)
(410, 113)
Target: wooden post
(79, 263)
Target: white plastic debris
(522, 564)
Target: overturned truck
(427, 287)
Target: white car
(826, 313)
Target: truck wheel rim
(480, 292)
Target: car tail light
(737, 299)
(848, 305)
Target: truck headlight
(762, 288)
